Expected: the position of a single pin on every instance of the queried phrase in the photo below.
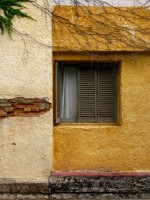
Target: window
(86, 92)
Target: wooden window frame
(117, 64)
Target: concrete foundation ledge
(23, 197)
(95, 185)
(12, 189)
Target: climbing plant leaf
(8, 10)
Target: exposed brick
(3, 113)
(27, 109)
(10, 109)
(5, 104)
(26, 101)
(22, 100)
(22, 114)
(21, 106)
(35, 109)
(44, 106)
(14, 100)
(3, 101)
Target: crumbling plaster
(25, 71)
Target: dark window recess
(86, 92)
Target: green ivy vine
(8, 10)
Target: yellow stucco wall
(122, 147)
(25, 71)
(88, 32)
(100, 28)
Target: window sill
(96, 125)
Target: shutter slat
(87, 91)
(58, 92)
(107, 94)
(97, 88)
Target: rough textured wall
(100, 28)
(25, 71)
(123, 147)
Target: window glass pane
(69, 94)
(85, 93)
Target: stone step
(23, 197)
(93, 185)
(13, 189)
(85, 196)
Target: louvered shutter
(87, 94)
(107, 100)
(58, 92)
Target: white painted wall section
(26, 71)
(119, 3)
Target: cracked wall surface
(25, 71)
